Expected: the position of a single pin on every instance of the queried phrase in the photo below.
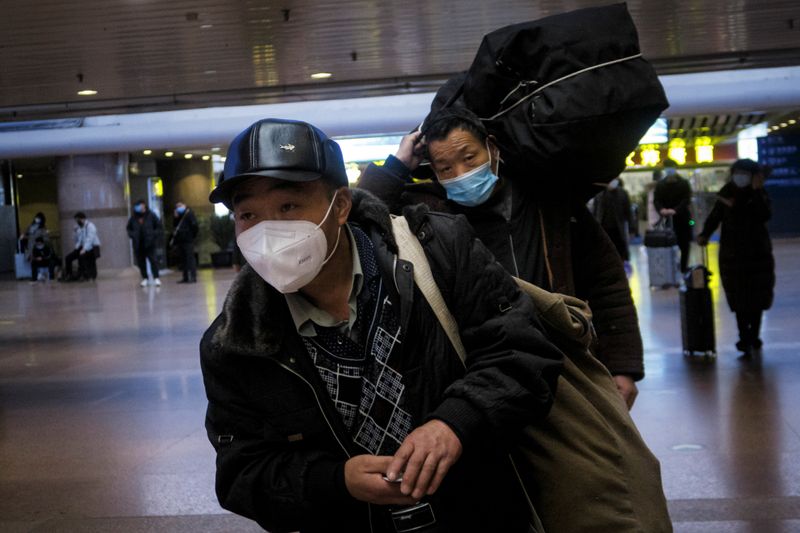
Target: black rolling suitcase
(697, 312)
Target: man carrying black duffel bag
(554, 243)
(546, 109)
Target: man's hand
(424, 458)
(363, 476)
(82, 251)
(627, 389)
(702, 240)
(410, 150)
(667, 212)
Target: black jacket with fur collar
(281, 445)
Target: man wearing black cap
(336, 401)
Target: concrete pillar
(98, 186)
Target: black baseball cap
(284, 149)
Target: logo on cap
(287, 147)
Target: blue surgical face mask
(139, 208)
(181, 210)
(741, 179)
(670, 171)
(474, 187)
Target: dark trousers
(36, 264)
(142, 256)
(749, 327)
(70, 257)
(87, 265)
(188, 263)
(683, 233)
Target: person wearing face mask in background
(672, 198)
(86, 251)
(746, 263)
(36, 229)
(328, 375)
(612, 209)
(183, 237)
(42, 261)
(145, 231)
(545, 238)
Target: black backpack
(568, 96)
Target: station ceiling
(151, 55)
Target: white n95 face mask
(287, 254)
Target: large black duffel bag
(567, 96)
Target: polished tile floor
(101, 409)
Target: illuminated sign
(703, 150)
(677, 151)
(629, 160)
(650, 155)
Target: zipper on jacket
(319, 404)
(333, 432)
(513, 254)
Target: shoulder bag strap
(410, 249)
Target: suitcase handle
(663, 222)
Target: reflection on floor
(101, 409)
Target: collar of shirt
(305, 314)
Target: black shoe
(757, 344)
(183, 281)
(742, 346)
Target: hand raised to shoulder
(410, 150)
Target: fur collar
(255, 317)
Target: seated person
(87, 250)
(42, 261)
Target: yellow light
(169, 154)
(629, 160)
(187, 156)
(87, 92)
(678, 154)
(206, 157)
(704, 154)
(321, 75)
(677, 151)
(147, 152)
(650, 155)
(223, 159)
(792, 121)
(783, 124)
(158, 187)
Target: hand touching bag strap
(409, 249)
